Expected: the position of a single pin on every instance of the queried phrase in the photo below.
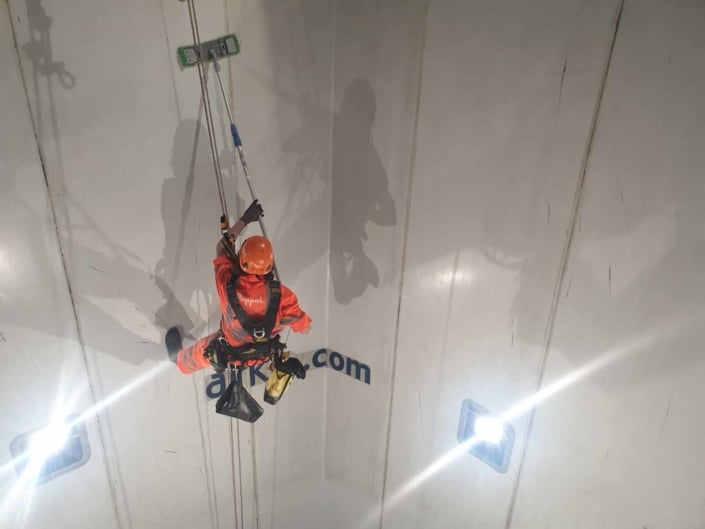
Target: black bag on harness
(236, 402)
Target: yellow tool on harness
(277, 383)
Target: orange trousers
(193, 358)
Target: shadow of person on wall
(178, 274)
(307, 191)
(116, 261)
(94, 293)
(38, 49)
(360, 193)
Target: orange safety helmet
(256, 255)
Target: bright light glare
(48, 441)
(93, 410)
(122, 392)
(599, 363)
(51, 439)
(489, 429)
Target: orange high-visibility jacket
(252, 292)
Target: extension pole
(238, 145)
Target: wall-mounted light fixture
(488, 437)
(48, 452)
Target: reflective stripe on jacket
(253, 295)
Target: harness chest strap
(261, 344)
(259, 331)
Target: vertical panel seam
(405, 237)
(112, 481)
(565, 258)
(170, 60)
(331, 126)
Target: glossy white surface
(419, 164)
(508, 93)
(43, 373)
(622, 447)
(129, 170)
(377, 51)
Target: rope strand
(207, 107)
(224, 207)
(237, 141)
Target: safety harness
(235, 402)
(263, 345)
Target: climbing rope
(239, 520)
(202, 75)
(202, 64)
(237, 141)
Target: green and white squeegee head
(221, 47)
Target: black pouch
(236, 402)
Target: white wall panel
(129, 168)
(508, 93)
(44, 374)
(378, 45)
(620, 448)
(418, 164)
(119, 174)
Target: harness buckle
(259, 334)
